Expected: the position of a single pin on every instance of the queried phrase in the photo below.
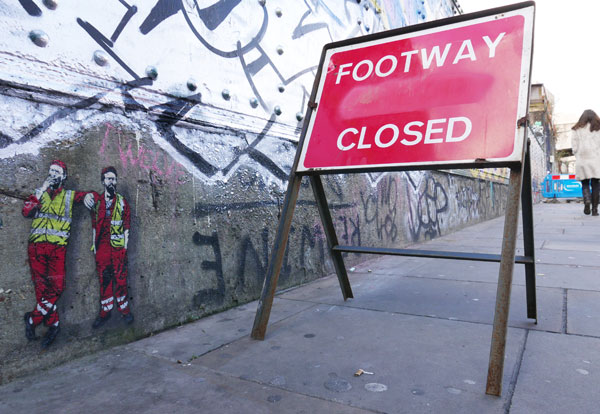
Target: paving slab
(191, 340)
(567, 257)
(545, 231)
(465, 270)
(446, 299)
(583, 312)
(125, 381)
(574, 245)
(396, 265)
(491, 237)
(419, 364)
(590, 230)
(570, 237)
(547, 275)
(567, 276)
(559, 374)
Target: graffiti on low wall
(51, 209)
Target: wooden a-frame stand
(519, 193)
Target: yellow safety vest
(52, 221)
(117, 231)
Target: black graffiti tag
(108, 44)
(380, 209)
(424, 209)
(211, 296)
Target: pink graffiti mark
(145, 159)
(106, 134)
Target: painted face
(110, 183)
(56, 175)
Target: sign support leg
(528, 240)
(270, 285)
(338, 261)
(507, 264)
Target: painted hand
(47, 183)
(88, 201)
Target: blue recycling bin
(561, 186)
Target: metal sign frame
(520, 193)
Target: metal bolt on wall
(39, 38)
(101, 58)
(191, 84)
(152, 72)
(51, 4)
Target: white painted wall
(264, 54)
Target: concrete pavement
(421, 327)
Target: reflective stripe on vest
(53, 216)
(117, 232)
(52, 221)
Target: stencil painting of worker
(110, 232)
(51, 207)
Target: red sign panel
(449, 94)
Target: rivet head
(299, 116)
(367, 28)
(152, 72)
(101, 58)
(281, 88)
(262, 2)
(51, 4)
(225, 94)
(278, 12)
(277, 110)
(39, 38)
(191, 84)
(279, 50)
(366, 6)
(253, 102)
(359, 21)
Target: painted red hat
(110, 168)
(60, 164)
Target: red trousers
(111, 265)
(47, 262)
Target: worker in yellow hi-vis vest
(110, 228)
(51, 208)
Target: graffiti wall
(144, 156)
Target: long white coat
(586, 148)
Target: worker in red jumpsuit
(110, 232)
(51, 208)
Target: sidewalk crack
(564, 311)
(515, 374)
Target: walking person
(51, 207)
(585, 140)
(110, 233)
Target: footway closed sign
(432, 94)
